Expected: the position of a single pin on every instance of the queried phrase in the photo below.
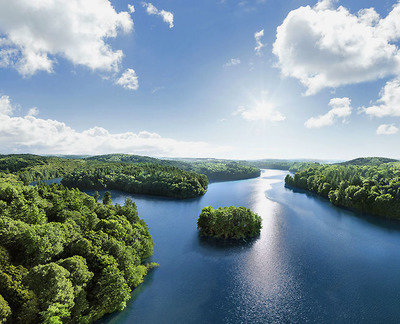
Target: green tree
(107, 198)
(5, 310)
(96, 196)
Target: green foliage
(215, 170)
(107, 198)
(28, 167)
(65, 258)
(5, 310)
(292, 166)
(229, 222)
(368, 161)
(225, 171)
(54, 290)
(365, 188)
(151, 179)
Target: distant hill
(127, 158)
(370, 161)
(131, 158)
(214, 169)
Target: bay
(312, 263)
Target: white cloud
(325, 4)
(262, 111)
(128, 80)
(386, 129)
(389, 102)
(341, 108)
(6, 108)
(232, 62)
(259, 45)
(35, 33)
(167, 16)
(33, 111)
(323, 46)
(43, 136)
(131, 8)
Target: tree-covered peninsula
(229, 222)
(366, 186)
(214, 169)
(64, 257)
(29, 167)
(142, 178)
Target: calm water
(312, 262)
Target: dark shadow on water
(219, 244)
(118, 195)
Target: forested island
(370, 185)
(142, 178)
(64, 257)
(229, 222)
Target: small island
(229, 222)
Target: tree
(229, 222)
(5, 310)
(107, 198)
(51, 284)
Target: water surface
(313, 263)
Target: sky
(213, 78)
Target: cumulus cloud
(341, 108)
(389, 102)
(259, 45)
(263, 111)
(43, 136)
(167, 16)
(34, 33)
(131, 8)
(324, 46)
(128, 80)
(387, 129)
(6, 109)
(33, 111)
(232, 62)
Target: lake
(312, 262)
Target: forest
(64, 257)
(289, 165)
(366, 186)
(229, 222)
(214, 169)
(29, 167)
(141, 178)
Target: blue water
(313, 263)
(49, 182)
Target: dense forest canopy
(292, 166)
(226, 171)
(142, 178)
(64, 257)
(229, 222)
(369, 161)
(372, 189)
(29, 167)
(214, 169)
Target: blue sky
(229, 79)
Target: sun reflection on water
(263, 280)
